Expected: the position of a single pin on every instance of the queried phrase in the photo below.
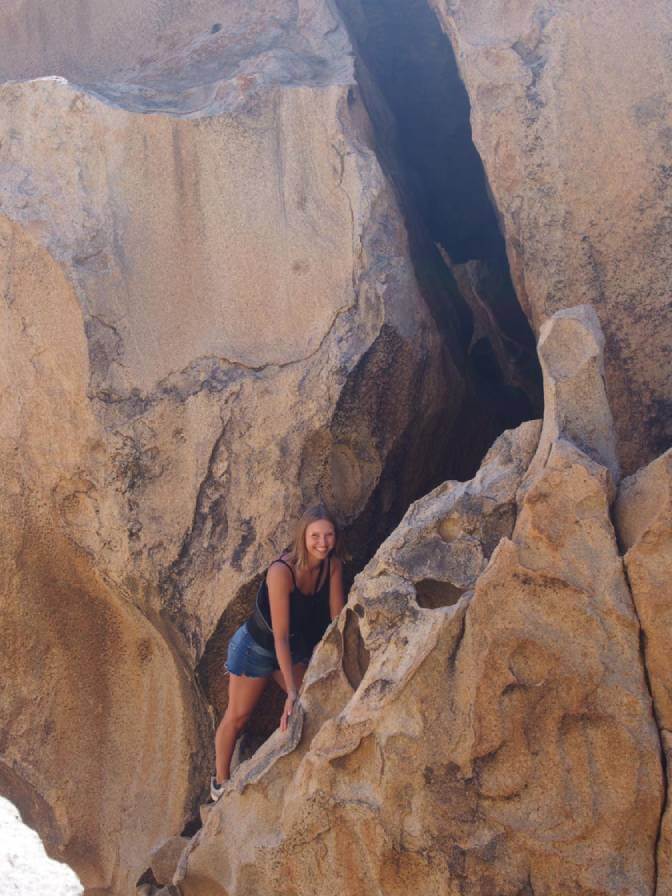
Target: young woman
(301, 591)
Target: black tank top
(308, 614)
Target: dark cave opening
(410, 84)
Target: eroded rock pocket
(432, 594)
(355, 655)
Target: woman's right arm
(279, 581)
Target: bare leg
(244, 694)
(299, 672)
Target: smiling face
(320, 539)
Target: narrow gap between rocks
(656, 720)
(409, 83)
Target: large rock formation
(195, 235)
(210, 318)
(498, 740)
(571, 115)
(213, 312)
(101, 729)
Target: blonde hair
(298, 555)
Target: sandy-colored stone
(502, 743)
(571, 115)
(209, 320)
(209, 317)
(644, 522)
(101, 728)
(245, 282)
(165, 858)
(446, 538)
(576, 407)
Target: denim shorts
(246, 657)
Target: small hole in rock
(355, 654)
(432, 594)
(215, 28)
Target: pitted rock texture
(334, 785)
(500, 743)
(499, 740)
(571, 115)
(644, 522)
(446, 538)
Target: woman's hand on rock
(290, 703)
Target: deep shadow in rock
(355, 654)
(432, 594)
(420, 110)
(408, 79)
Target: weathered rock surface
(210, 319)
(571, 115)
(173, 56)
(335, 785)
(446, 538)
(101, 728)
(195, 245)
(644, 522)
(576, 406)
(165, 858)
(503, 742)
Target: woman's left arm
(336, 595)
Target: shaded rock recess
(420, 110)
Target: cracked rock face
(500, 739)
(210, 320)
(644, 521)
(571, 115)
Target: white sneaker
(216, 790)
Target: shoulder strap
(258, 612)
(284, 562)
